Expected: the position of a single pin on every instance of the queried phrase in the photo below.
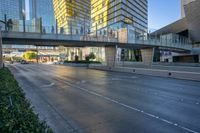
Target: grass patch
(16, 113)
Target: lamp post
(24, 23)
(96, 29)
(84, 26)
(5, 21)
(71, 32)
(1, 51)
(56, 26)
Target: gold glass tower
(99, 13)
(116, 14)
(73, 16)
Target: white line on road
(132, 108)
(49, 85)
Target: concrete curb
(153, 72)
(76, 65)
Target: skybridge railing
(172, 41)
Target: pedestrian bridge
(146, 42)
(51, 39)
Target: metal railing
(80, 35)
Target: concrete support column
(37, 54)
(110, 54)
(147, 56)
(1, 50)
(199, 57)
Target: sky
(27, 9)
(163, 12)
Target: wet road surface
(91, 101)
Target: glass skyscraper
(121, 19)
(11, 8)
(32, 9)
(73, 16)
(117, 14)
(44, 9)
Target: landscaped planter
(16, 113)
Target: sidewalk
(160, 71)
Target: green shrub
(30, 55)
(83, 62)
(16, 115)
(91, 56)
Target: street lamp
(1, 51)
(5, 22)
(56, 26)
(96, 29)
(84, 26)
(24, 17)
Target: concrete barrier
(177, 64)
(153, 72)
(76, 65)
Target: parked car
(58, 63)
(24, 62)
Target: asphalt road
(91, 101)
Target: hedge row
(83, 62)
(16, 113)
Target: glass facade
(73, 16)
(175, 38)
(11, 8)
(33, 10)
(122, 19)
(117, 14)
(44, 9)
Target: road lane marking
(132, 108)
(49, 85)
